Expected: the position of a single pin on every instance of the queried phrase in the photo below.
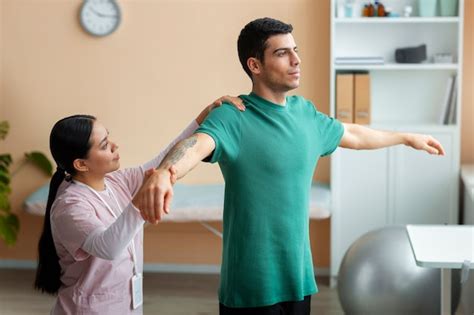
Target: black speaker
(411, 54)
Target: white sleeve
(109, 243)
(184, 134)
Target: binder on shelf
(345, 97)
(451, 119)
(448, 110)
(362, 98)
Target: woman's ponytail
(69, 140)
(48, 273)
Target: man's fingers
(434, 151)
(439, 147)
(430, 149)
(434, 146)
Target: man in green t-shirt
(267, 155)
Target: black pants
(283, 308)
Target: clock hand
(102, 14)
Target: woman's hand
(146, 200)
(237, 102)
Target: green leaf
(9, 227)
(5, 189)
(4, 127)
(4, 177)
(41, 161)
(4, 203)
(3, 168)
(5, 160)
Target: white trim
(17, 264)
(182, 268)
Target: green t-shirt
(267, 155)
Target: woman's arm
(109, 243)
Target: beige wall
(146, 82)
(467, 123)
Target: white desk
(445, 247)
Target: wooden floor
(165, 294)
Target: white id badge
(137, 290)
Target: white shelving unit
(397, 185)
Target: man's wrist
(164, 170)
(406, 139)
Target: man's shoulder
(226, 114)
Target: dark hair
(69, 140)
(253, 39)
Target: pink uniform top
(93, 244)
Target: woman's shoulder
(70, 195)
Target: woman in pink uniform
(91, 248)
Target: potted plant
(9, 223)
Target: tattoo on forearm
(178, 151)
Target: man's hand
(425, 142)
(155, 196)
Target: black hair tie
(67, 176)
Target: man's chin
(293, 86)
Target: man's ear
(254, 65)
(80, 165)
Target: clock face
(100, 17)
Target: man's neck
(278, 98)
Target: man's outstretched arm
(363, 138)
(182, 158)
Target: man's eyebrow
(284, 48)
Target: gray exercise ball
(379, 275)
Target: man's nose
(295, 59)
